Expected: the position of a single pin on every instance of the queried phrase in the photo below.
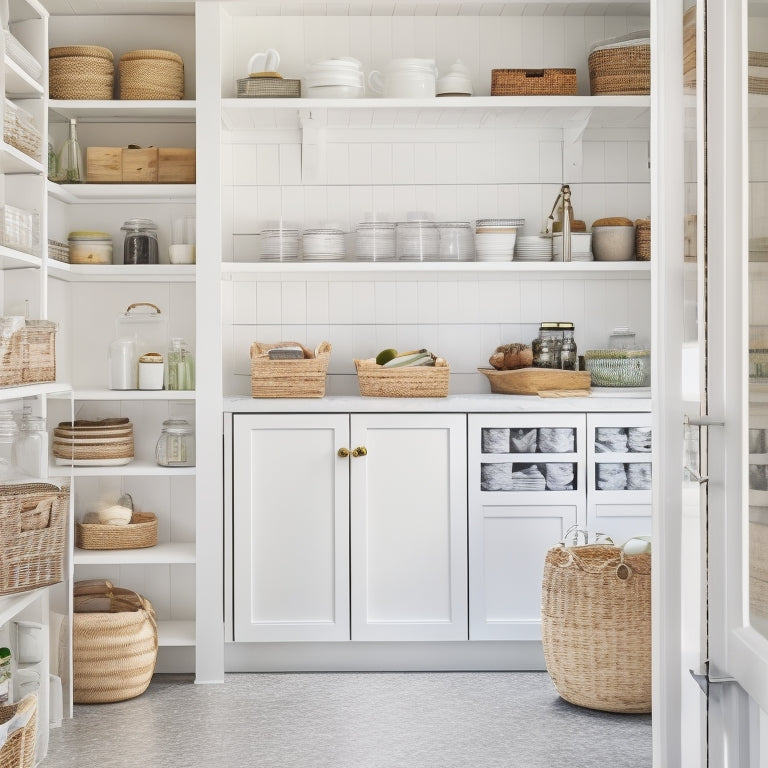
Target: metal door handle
(703, 421)
(695, 475)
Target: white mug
(405, 79)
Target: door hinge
(704, 679)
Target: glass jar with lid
(176, 444)
(569, 358)
(140, 244)
(547, 346)
(32, 445)
(9, 432)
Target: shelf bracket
(313, 143)
(573, 133)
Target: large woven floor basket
(20, 721)
(33, 531)
(596, 626)
(114, 643)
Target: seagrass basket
(18, 751)
(108, 441)
(151, 74)
(643, 239)
(28, 355)
(257, 87)
(289, 378)
(114, 643)
(80, 72)
(139, 533)
(407, 381)
(596, 626)
(620, 70)
(33, 528)
(533, 82)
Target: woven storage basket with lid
(114, 643)
(596, 626)
(151, 74)
(18, 751)
(80, 72)
(621, 66)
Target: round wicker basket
(596, 626)
(151, 74)
(114, 643)
(139, 533)
(81, 72)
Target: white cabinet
(527, 475)
(408, 527)
(336, 513)
(291, 527)
(620, 466)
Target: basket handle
(534, 73)
(143, 304)
(41, 510)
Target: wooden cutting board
(531, 381)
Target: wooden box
(150, 165)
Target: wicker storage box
(18, 746)
(407, 381)
(140, 532)
(20, 131)
(257, 87)
(596, 626)
(33, 529)
(28, 355)
(114, 643)
(58, 251)
(151, 74)
(643, 239)
(621, 68)
(289, 378)
(81, 72)
(619, 367)
(533, 82)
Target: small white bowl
(181, 253)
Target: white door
(291, 527)
(408, 526)
(726, 457)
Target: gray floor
(351, 720)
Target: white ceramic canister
(405, 79)
(151, 371)
(122, 364)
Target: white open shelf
(14, 161)
(165, 111)
(137, 468)
(176, 633)
(12, 259)
(18, 84)
(130, 193)
(102, 393)
(53, 388)
(104, 273)
(161, 554)
(11, 605)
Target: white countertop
(601, 400)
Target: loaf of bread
(509, 357)
(613, 221)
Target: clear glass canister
(32, 446)
(547, 346)
(569, 357)
(9, 432)
(180, 366)
(140, 244)
(176, 444)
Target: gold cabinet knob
(343, 453)
(361, 450)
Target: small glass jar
(569, 357)
(32, 446)
(140, 244)
(547, 346)
(622, 338)
(176, 444)
(180, 366)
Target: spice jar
(151, 371)
(569, 357)
(140, 245)
(176, 444)
(547, 346)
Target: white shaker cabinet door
(291, 527)
(409, 527)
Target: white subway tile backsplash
(445, 163)
(428, 307)
(317, 303)
(341, 302)
(294, 303)
(385, 302)
(403, 163)
(359, 163)
(268, 164)
(268, 303)
(244, 300)
(364, 301)
(616, 161)
(407, 303)
(290, 164)
(337, 160)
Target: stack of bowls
(417, 241)
(495, 238)
(107, 442)
(323, 244)
(457, 242)
(279, 244)
(375, 241)
(341, 78)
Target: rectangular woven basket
(407, 381)
(255, 87)
(33, 526)
(139, 533)
(624, 70)
(28, 355)
(289, 378)
(19, 748)
(533, 82)
(643, 239)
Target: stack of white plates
(323, 244)
(495, 238)
(279, 245)
(375, 241)
(533, 248)
(581, 247)
(417, 241)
